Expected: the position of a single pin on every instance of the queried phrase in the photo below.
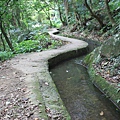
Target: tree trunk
(77, 17)
(66, 9)
(91, 4)
(109, 13)
(4, 48)
(94, 15)
(6, 37)
(18, 11)
(61, 19)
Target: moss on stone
(37, 98)
(106, 87)
(111, 47)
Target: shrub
(27, 46)
(5, 55)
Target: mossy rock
(111, 48)
(93, 57)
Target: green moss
(88, 59)
(93, 57)
(37, 97)
(50, 94)
(107, 88)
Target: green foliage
(27, 46)
(41, 42)
(114, 4)
(71, 19)
(34, 15)
(55, 44)
(118, 100)
(5, 55)
(118, 90)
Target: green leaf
(118, 90)
(118, 100)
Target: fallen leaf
(3, 77)
(47, 110)
(108, 72)
(101, 113)
(67, 71)
(46, 83)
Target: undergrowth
(5, 55)
(40, 42)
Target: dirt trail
(21, 79)
(15, 103)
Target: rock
(7, 117)
(111, 47)
(16, 119)
(8, 103)
(36, 119)
(29, 114)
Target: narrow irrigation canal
(82, 100)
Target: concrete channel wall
(73, 49)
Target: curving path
(40, 87)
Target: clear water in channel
(82, 100)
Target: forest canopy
(22, 20)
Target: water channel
(81, 98)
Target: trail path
(27, 91)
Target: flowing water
(82, 100)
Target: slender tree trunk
(64, 22)
(77, 17)
(3, 42)
(109, 13)
(18, 16)
(6, 37)
(61, 19)
(91, 4)
(94, 15)
(76, 14)
(66, 9)
(50, 19)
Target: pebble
(7, 103)
(36, 119)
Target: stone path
(35, 89)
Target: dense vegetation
(22, 22)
